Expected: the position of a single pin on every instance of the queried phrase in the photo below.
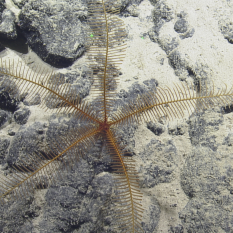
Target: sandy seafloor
(207, 47)
(147, 60)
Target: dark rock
(226, 28)
(25, 143)
(8, 102)
(203, 128)
(206, 180)
(162, 164)
(11, 132)
(76, 201)
(56, 32)
(3, 117)
(162, 13)
(20, 3)
(16, 216)
(169, 45)
(125, 136)
(181, 26)
(156, 128)
(201, 77)
(7, 26)
(122, 94)
(134, 91)
(153, 2)
(228, 140)
(176, 61)
(139, 89)
(4, 144)
(188, 34)
(154, 33)
(177, 229)
(153, 214)
(80, 84)
(35, 100)
(21, 116)
(177, 130)
(200, 176)
(60, 126)
(228, 108)
(2, 5)
(151, 84)
(2, 47)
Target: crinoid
(97, 122)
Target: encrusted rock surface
(185, 167)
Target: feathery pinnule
(106, 47)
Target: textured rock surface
(55, 30)
(7, 27)
(185, 167)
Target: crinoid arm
(128, 210)
(106, 51)
(18, 78)
(42, 169)
(172, 103)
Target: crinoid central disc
(105, 126)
